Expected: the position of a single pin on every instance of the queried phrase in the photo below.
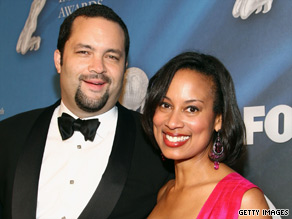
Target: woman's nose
(174, 120)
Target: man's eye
(82, 52)
(113, 57)
(192, 109)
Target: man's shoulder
(24, 117)
(130, 114)
(28, 115)
(126, 111)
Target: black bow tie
(67, 126)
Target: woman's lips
(175, 140)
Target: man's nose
(97, 65)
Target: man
(49, 166)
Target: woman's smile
(176, 140)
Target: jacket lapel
(114, 178)
(25, 188)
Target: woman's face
(184, 122)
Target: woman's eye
(165, 105)
(192, 109)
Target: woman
(191, 113)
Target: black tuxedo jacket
(128, 187)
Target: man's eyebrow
(86, 46)
(80, 45)
(117, 51)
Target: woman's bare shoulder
(254, 199)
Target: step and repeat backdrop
(253, 38)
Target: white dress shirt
(72, 169)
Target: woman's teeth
(177, 139)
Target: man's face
(91, 75)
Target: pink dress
(225, 199)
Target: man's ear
(57, 60)
(218, 123)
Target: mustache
(95, 76)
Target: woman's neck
(198, 170)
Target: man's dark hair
(91, 11)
